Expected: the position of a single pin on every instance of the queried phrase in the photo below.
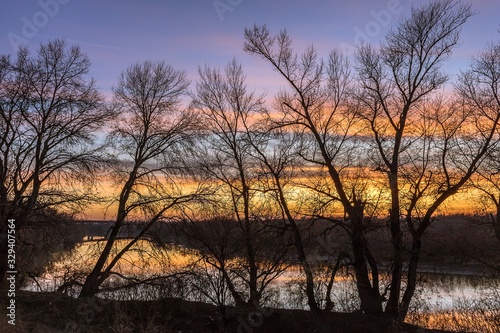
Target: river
(458, 298)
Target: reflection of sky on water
(436, 291)
(447, 291)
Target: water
(460, 292)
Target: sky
(191, 33)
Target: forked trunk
(371, 301)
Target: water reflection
(443, 301)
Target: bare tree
(277, 153)
(218, 242)
(227, 109)
(488, 183)
(480, 86)
(427, 149)
(147, 141)
(318, 105)
(50, 114)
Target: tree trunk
(329, 304)
(91, 285)
(311, 299)
(95, 278)
(496, 223)
(254, 294)
(392, 307)
(371, 301)
(299, 246)
(236, 295)
(251, 257)
(412, 277)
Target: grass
(52, 312)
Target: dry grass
(469, 316)
(54, 313)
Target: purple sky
(189, 33)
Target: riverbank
(55, 313)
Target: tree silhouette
(146, 142)
(50, 114)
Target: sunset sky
(189, 33)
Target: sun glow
(305, 191)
